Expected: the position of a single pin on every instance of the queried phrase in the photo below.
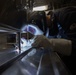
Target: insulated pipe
(19, 41)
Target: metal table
(38, 62)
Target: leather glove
(42, 41)
(62, 46)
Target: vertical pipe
(19, 40)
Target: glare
(24, 42)
(25, 7)
(32, 65)
(17, 51)
(3, 30)
(40, 8)
(32, 52)
(38, 31)
(25, 72)
(35, 31)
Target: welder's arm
(61, 46)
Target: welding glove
(61, 46)
(42, 41)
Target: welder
(66, 18)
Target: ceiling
(13, 13)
